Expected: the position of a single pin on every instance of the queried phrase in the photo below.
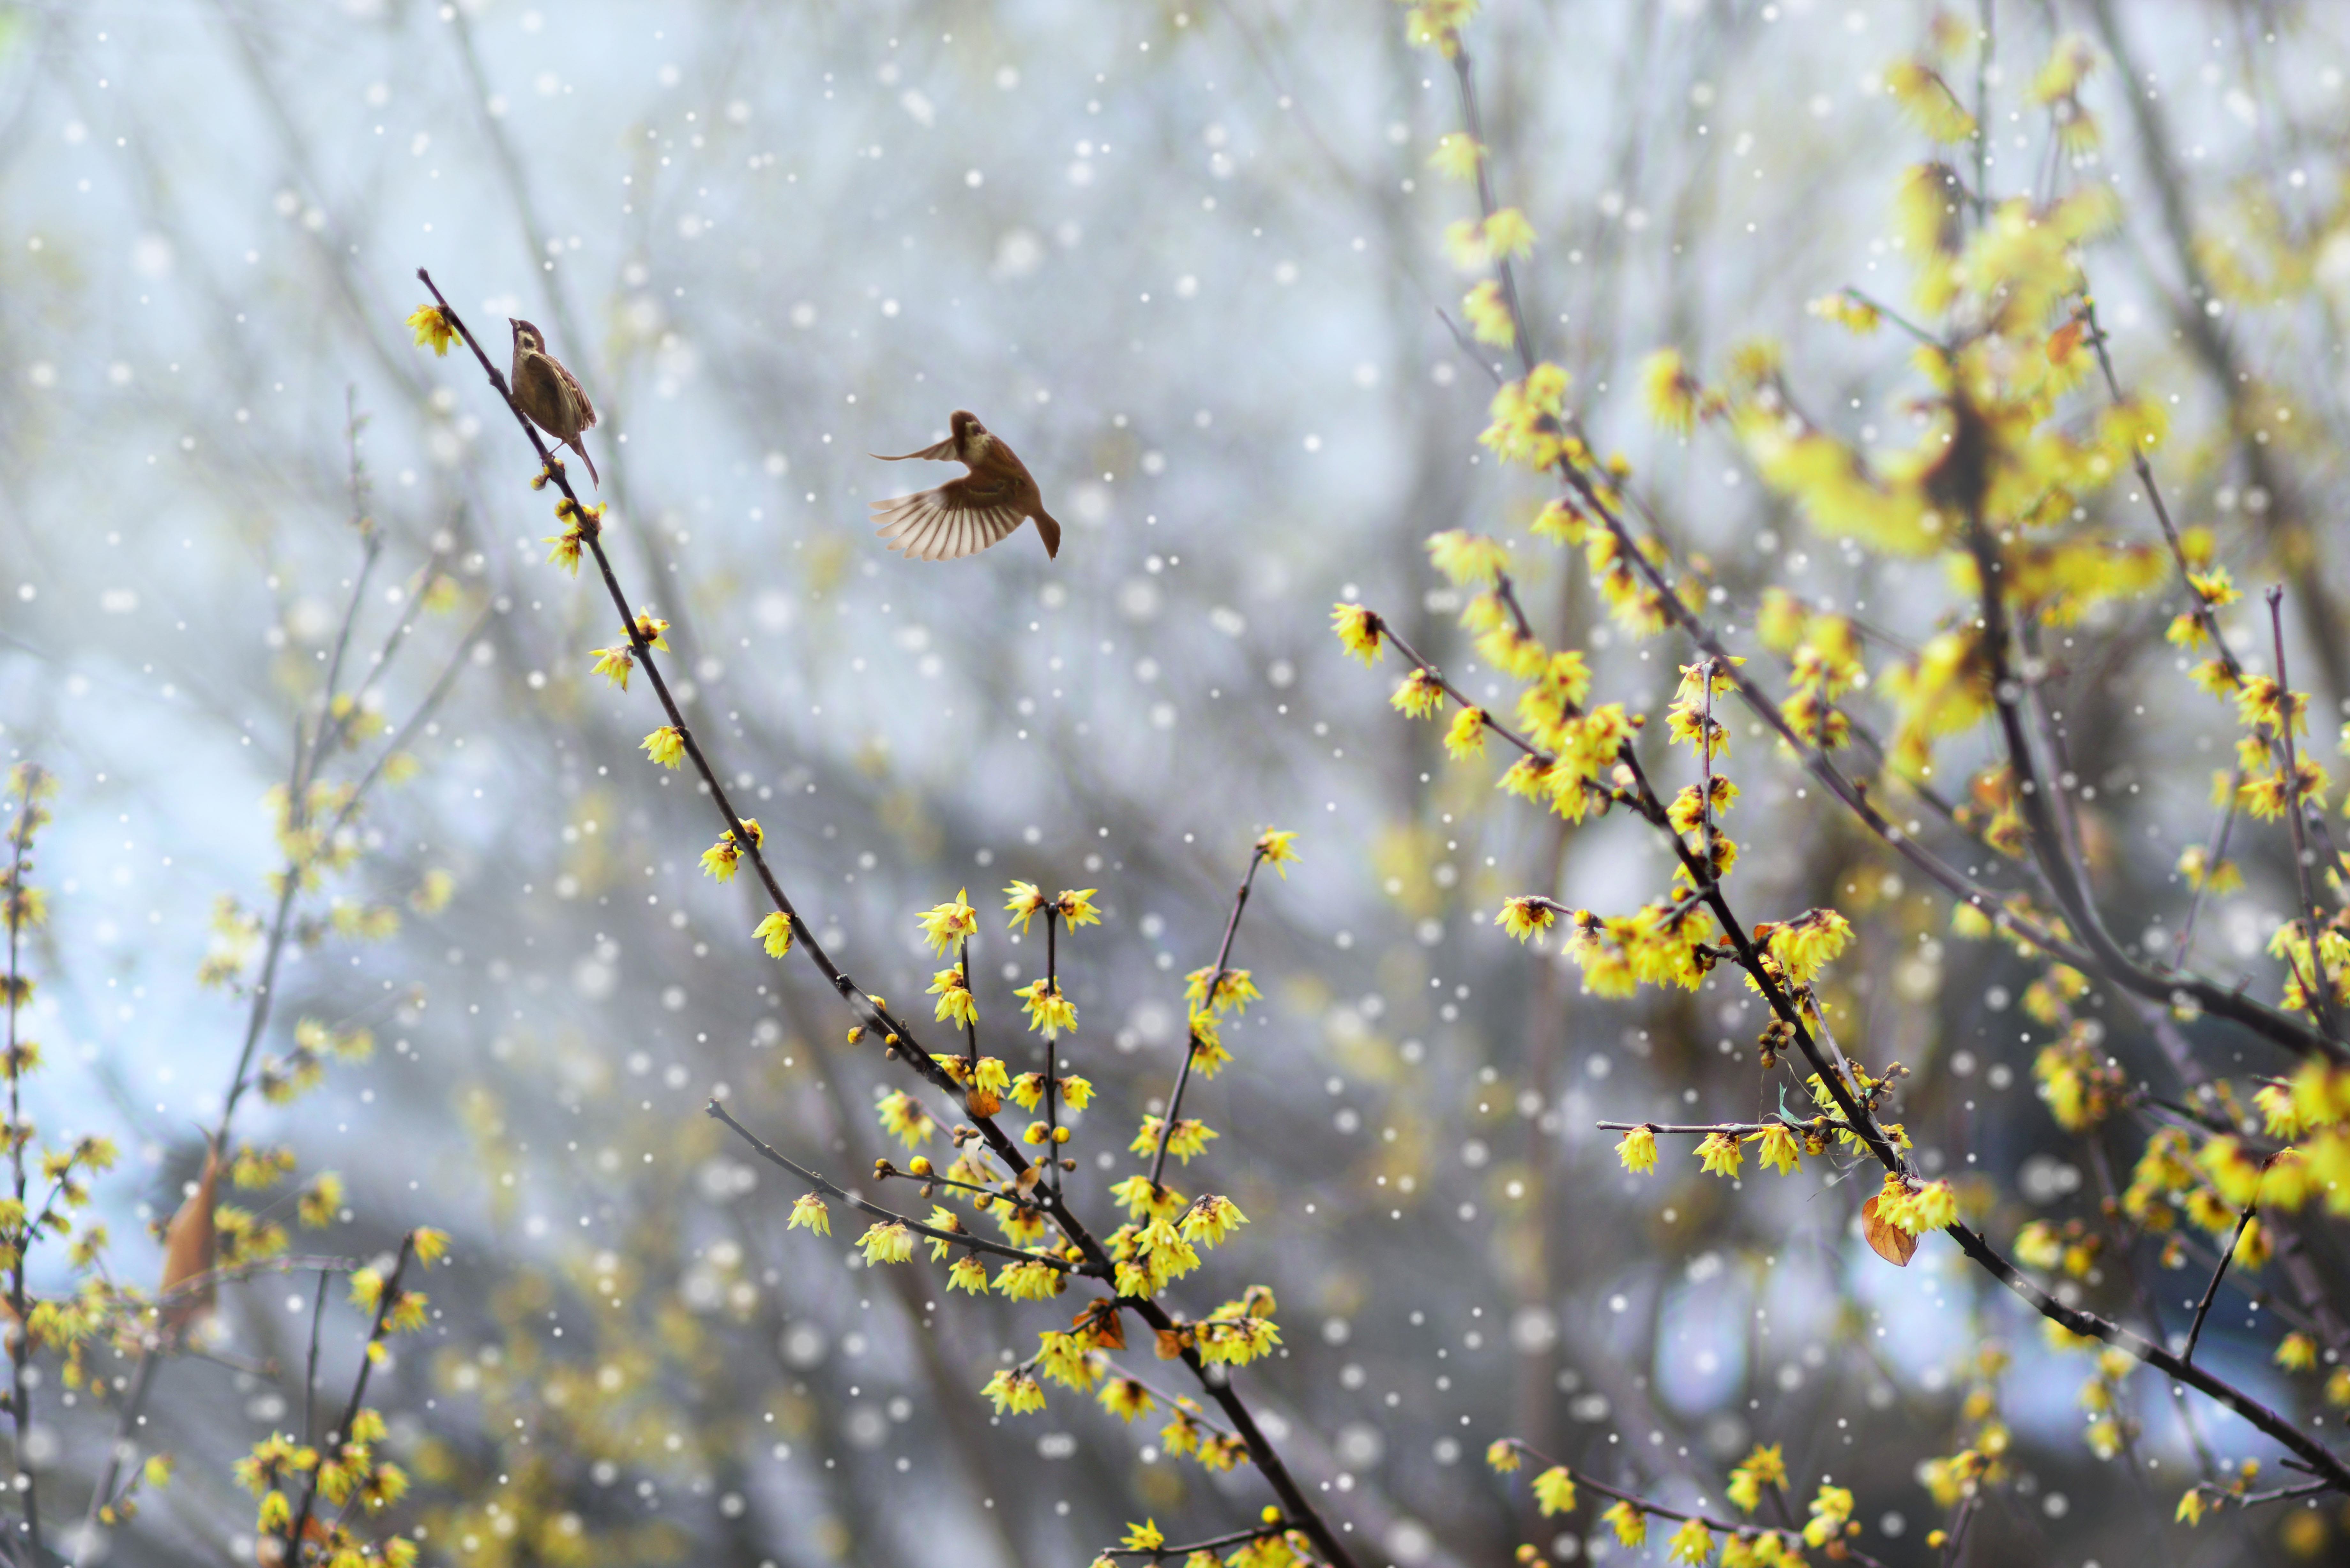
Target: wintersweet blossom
(946, 924)
(666, 746)
(776, 933)
(1050, 1013)
(1023, 901)
(1278, 846)
(1359, 631)
(433, 328)
(887, 1241)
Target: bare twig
(2211, 1291)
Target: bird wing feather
(944, 451)
(945, 523)
(579, 393)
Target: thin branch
(1207, 1005)
(2321, 996)
(1237, 1538)
(2211, 1291)
(311, 1374)
(717, 1112)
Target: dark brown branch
(2211, 1291)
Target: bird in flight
(966, 515)
(550, 394)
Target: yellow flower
(1522, 917)
(1830, 1509)
(2190, 1508)
(2296, 1353)
(1555, 1491)
(1638, 1151)
(903, 1118)
(1028, 1281)
(1721, 1154)
(1024, 902)
(719, 860)
(666, 746)
(775, 931)
(1507, 234)
(1016, 1393)
(433, 328)
(809, 1211)
(1764, 1465)
(1234, 988)
(1456, 156)
(614, 664)
(581, 525)
(1141, 1201)
(430, 1245)
(1049, 1012)
(1466, 737)
(1359, 631)
(1075, 905)
(946, 924)
(1488, 314)
(1211, 1218)
(1669, 391)
(1124, 1398)
(1692, 1543)
(1781, 1150)
(1189, 1138)
(1855, 315)
(887, 1241)
(1503, 1455)
(968, 1274)
(1630, 1524)
(955, 1003)
(1143, 1537)
(1275, 845)
(1809, 942)
(1420, 695)
(1468, 559)
(1931, 1208)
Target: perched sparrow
(967, 515)
(550, 394)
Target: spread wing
(957, 519)
(943, 452)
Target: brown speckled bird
(968, 514)
(550, 394)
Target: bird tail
(1050, 530)
(581, 449)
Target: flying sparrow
(967, 515)
(550, 394)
